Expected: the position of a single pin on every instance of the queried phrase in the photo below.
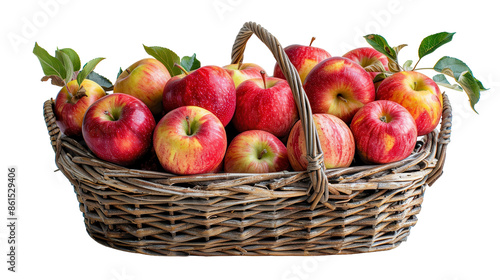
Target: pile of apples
(237, 119)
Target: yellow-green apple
(336, 140)
(265, 103)
(190, 140)
(384, 132)
(304, 58)
(256, 151)
(419, 94)
(71, 103)
(340, 87)
(118, 128)
(145, 79)
(241, 72)
(209, 87)
(373, 61)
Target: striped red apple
(384, 132)
(118, 128)
(340, 87)
(190, 140)
(256, 151)
(336, 139)
(419, 94)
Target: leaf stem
(182, 68)
(416, 64)
(422, 69)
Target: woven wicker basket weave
(316, 212)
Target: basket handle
(318, 188)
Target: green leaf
(167, 57)
(101, 80)
(68, 65)
(75, 59)
(190, 63)
(380, 44)
(87, 68)
(470, 86)
(51, 66)
(451, 66)
(430, 43)
(441, 80)
(462, 74)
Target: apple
(209, 87)
(304, 58)
(241, 72)
(370, 59)
(340, 87)
(265, 103)
(336, 140)
(190, 140)
(256, 151)
(118, 128)
(145, 79)
(384, 132)
(419, 94)
(71, 103)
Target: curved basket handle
(318, 188)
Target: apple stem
(312, 40)
(189, 125)
(263, 74)
(126, 70)
(342, 98)
(109, 115)
(240, 64)
(262, 153)
(182, 68)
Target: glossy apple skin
(379, 141)
(419, 94)
(69, 114)
(304, 58)
(340, 87)
(240, 73)
(271, 109)
(145, 79)
(209, 87)
(182, 153)
(336, 140)
(124, 138)
(256, 151)
(367, 57)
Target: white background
(456, 236)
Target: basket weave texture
(320, 211)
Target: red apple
(384, 132)
(419, 94)
(209, 87)
(340, 87)
(145, 79)
(304, 58)
(336, 140)
(265, 103)
(118, 128)
(70, 106)
(190, 140)
(241, 72)
(256, 151)
(370, 59)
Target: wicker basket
(316, 212)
